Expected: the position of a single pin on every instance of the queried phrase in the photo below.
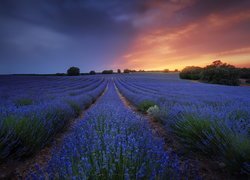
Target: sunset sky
(48, 36)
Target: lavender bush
(33, 109)
(111, 142)
(221, 114)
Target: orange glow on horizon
(198, 43)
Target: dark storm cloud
(203, 8)
(65, 16)
(68, 32)
(191, 11)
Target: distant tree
(73, 71)
(221, 73)
(107, 72)
(118, 71)
(92, 72)
(126, 71)
(176, 70)
(166, 70)
(191, 72)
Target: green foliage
(221, 73)
(191, 72)
(216, 73)
(23, 102)
(73, 71)
(145, 105)
(213, 139)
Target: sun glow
(197, 43)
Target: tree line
(217, 73)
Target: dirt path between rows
(18, 169)
(208, 169)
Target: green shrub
(23, 102)
(191, 72)
(221, 73)
(145, 105)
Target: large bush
(73, 71)
(220, 73)
(191, 72)
(244, 73)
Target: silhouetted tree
(126, 71)
(107, 72)
(118, 71)
(73, 71)
(92, 72)
(176, 70)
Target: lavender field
(122, 125)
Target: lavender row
(26, 128)
(111, 142)
(211, 119)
